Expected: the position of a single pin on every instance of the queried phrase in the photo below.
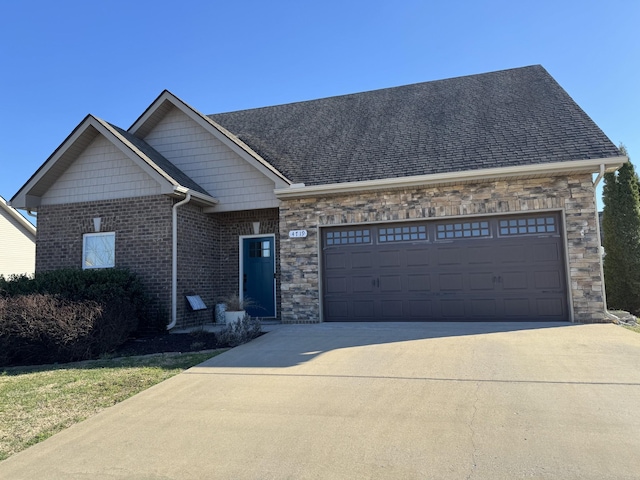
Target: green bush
(100, 285)
(70, 314)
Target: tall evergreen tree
(621, 228)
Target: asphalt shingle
(498, 119)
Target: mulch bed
(165, 343)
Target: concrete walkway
(375, 401)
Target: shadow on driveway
(292, 345)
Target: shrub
(104, 286)
(240, 332)
(40, 328)
(16, 285)
(71, 314)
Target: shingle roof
(499, 119)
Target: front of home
(470, 199)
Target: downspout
(174, 262)
(609, 315)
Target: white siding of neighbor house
(17, 247)
(214, 166)
(101, 172)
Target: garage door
(502, 268)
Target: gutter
(299, 190)
(607, 313)
(174, 261)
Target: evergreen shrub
(70, 314)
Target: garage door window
(349, 237)
(402, 234)
(528, 226)
(463, 230)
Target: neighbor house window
(99, 250)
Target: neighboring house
(17, 241)
(470, 198)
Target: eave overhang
(469, 176)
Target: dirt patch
(170, 342)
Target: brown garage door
(502, 268)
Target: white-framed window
(99, 250)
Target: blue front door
(258, 269)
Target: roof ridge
(382, 89)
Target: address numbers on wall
(297, 233)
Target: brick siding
(231, 226)
(208, 246)
(143, 238)
(198, 260)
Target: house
(18, 240)
(470, 198)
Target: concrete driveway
(350, 401)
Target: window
(528, 226)
(99, 250)
(348, 237)
(463, 230)
(260, 249)
(400, 234)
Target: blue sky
(62, 60)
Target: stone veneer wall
(574, 195)
(231, 226)
(143, 238)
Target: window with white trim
(98, 250)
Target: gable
(218, 169)
(101, 172)
(99, 161)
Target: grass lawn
(635, 329)
(37, 402)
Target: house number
(297, 233)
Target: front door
(258, 269)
